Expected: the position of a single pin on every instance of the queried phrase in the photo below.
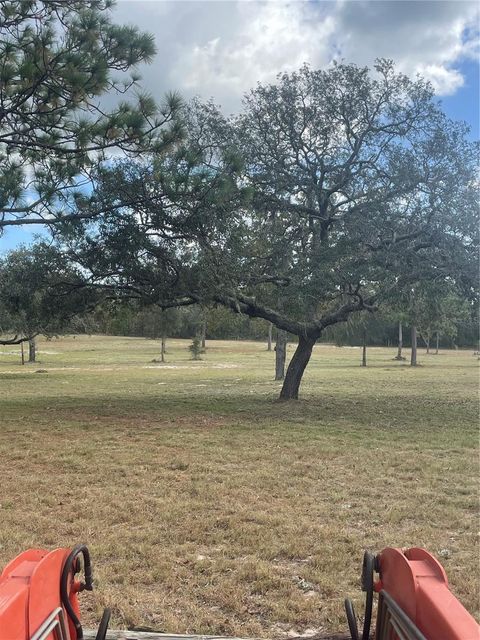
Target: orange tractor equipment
(414, 600)
(38, 598)
(38, 595)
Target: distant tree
(33, 295)
(362, 325)
(196, 348)
(155, 322)
(399, 355)
(58, 58)
(364, 348)
(269, 336)
(397, 311)
(221, 322)
(413, 346)
(85, 324)
(203, 327)
(169, 321)
(280, 354)
(439, 311)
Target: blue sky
(220, 49)
(463, 104)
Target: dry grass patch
(211, 508)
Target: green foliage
(334, 191)
(196, 348)
(436, 309)
(153, 322)
(39, 292)
(373, 326)
(58, 57)
(357, 179)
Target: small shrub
(196, 348)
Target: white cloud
(221, 49)
(428, 38)
(270, 37)
(445, 81)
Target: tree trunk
(364, 349)
(269, 338)
(413, 358)
(32, 350)
(438, 339)
(203, 334)
(280, 354)
(400, 342)
(426, 341)
(163, 348)
(22, 354)
(296, 368)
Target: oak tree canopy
(332, 189)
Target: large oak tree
(331, 190)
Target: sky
(220, 49)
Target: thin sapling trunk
(426, 341)
(280, 354)
(413, 357)
(364, 350)
(269, 337)
(163, 348)
(400, 342)
(203, 332)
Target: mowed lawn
(210, 507)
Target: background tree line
(223, 324)
(33, 303)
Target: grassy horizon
(212, 508)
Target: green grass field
(212, 508)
